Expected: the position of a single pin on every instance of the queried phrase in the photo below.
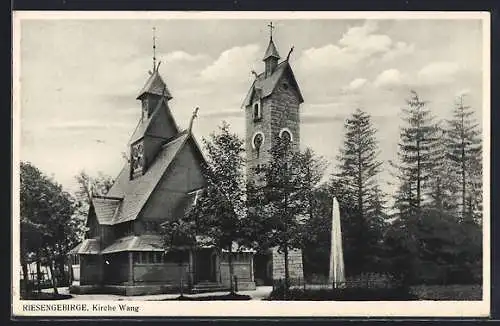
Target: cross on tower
(271, 27)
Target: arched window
(257, 140)
(256, 112)
(286, 135)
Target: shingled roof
(142, 127)
(271, 51)
(266, 86)
(136, 192)
(86, 247)
(136, 243)
(105, 208)
(155, 85)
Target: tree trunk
(38, 276)
(181, 288)
(287, 273)
(464, 205)
(26, 277)
(231, 271)
(462, 136)
(60, 265)
(52, 276)
(418, 178)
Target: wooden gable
(182, 177)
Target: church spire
(271, 56)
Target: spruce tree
(358, 170)
(442, 182)
(464, 153)
(418, 154)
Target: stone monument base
(295, 268)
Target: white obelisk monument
(337, 276)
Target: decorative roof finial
(289, 52)
(154, 49)
(271, 27)
(195, 114)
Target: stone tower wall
(284, 108)
(279, 110)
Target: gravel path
(258, 294)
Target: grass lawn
(224, 297)
(448, 292)
(458, 292)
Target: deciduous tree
(47, 225)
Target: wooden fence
(375, 282)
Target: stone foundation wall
(295, 267)
(166, 272)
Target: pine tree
(417, 156)
(464, 153)
(358, 170)
(312, 171)
(442, 183)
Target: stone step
(206, 286)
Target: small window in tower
(286, 135)
(258, 139)
(285, 86)
(257, 115)
(144, 109)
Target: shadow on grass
(225, 297)
(46, 296)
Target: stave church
(123, 250)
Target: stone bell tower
(272, 110)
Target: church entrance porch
(206, 266)
(263, 268)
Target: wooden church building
(123, 251)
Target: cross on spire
(271, 27)
(154, 49)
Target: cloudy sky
(79, 79)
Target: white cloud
(232, 64)
(356, 84)
(183, 56)
(389, 78)
(438, 73)
(357, 44)
(360, 40)
(329, 56)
